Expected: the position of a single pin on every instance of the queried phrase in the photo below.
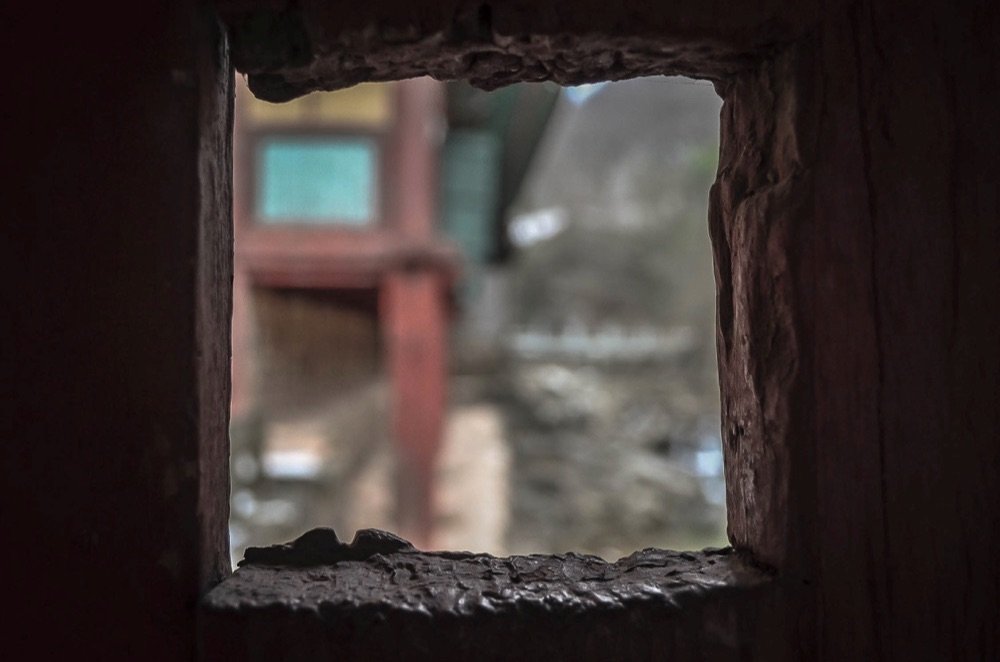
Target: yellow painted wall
(367, 105)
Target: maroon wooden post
(414, 311)
(415, 329)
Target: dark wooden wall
(856, 238)
(117, 245)
(855, 222)
(855, 226)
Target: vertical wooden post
(414, 312)
(855, 230)
(415, 328)
(113, 473)
(418, 131)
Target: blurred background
(482, 320)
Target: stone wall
(612, 406)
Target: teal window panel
(317, 181)
(471, 189)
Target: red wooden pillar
(413, 301)
(415, 328)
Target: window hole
(567, 262)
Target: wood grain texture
(856, 234)
(854, 228)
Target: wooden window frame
(230, 621)
(834, 202)
(254, 137)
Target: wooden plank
(402, 604)
(856, 239)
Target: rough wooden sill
(364, 602)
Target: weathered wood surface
(292, 49)
(855, 225)
(378, 598)
(863, 460)
(855, 229)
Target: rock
(321, 546)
